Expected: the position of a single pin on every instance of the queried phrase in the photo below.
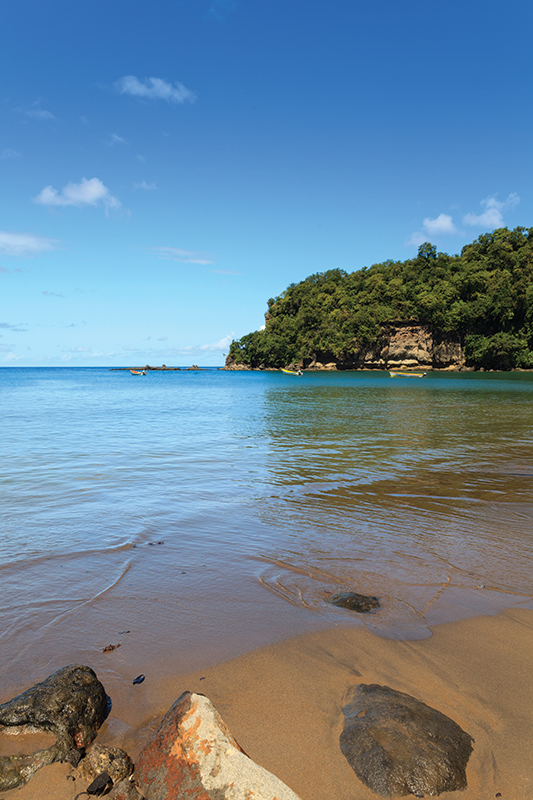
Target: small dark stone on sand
(101, 784)
(361, 603)
(139, 679)
(74, 756)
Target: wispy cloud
(10, 327)
(148, 187)
(225, 272)
(115, 139)
(35, 112)
(182, 256)
(492, 217)
(53, 294)
(8, 153)
(155, 89)
(85, 193)
(220, 346)
(25, 245)
(219, 8)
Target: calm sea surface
(189, 515)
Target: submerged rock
(71, 704)
(193, 754)
(396, 744)
(355, 602)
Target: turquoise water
(209, 512)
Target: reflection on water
(410, 492)
(218, 507)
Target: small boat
(407, 374)
(292, 371)
(138, 371)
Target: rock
(355, 602)
(193, 754)
(125, 790)
(101, 785)
(71, 704)
(396, 744)
(111, 760)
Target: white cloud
(416, 239)
(86, 192)
(36, 113)
(492, 217)
(116, 139)
(221, 345)
(25, 245)
(155, 89)
(80, 350)
(149, 187)
(53, 294)
(8, 153)
(182, 256)
(440, 226)
(225, 272)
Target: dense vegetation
(483, 297)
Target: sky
(166, 167)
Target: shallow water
(189, 516)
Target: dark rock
(74, 756)
(396, 744)
(112, 760)
(101, 784)
(355, 602)
(71, 704)
(193, 754)
(139, 679)
(125, 790)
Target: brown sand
(283, 703)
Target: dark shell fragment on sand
(355, 602)
(397, 745)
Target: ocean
(189, 516)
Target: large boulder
(193, 754)
(71, 704)
(397, 745)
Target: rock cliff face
(403, 345)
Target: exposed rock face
(397, 745)
(193, 754)
(71, 704)
(354, 602)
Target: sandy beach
(283, 703)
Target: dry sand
(283, 703)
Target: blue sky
(166, 167)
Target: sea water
(188, 516)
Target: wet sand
(283, 703)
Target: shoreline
(283, 703)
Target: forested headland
(480, 300)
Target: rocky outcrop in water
(397, 745)
(71, 704)
(361, 603)
(193, 754)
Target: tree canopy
(484, 297)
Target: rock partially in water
(71, 704)
(355, 602)
(193, 754)
(397, 745)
